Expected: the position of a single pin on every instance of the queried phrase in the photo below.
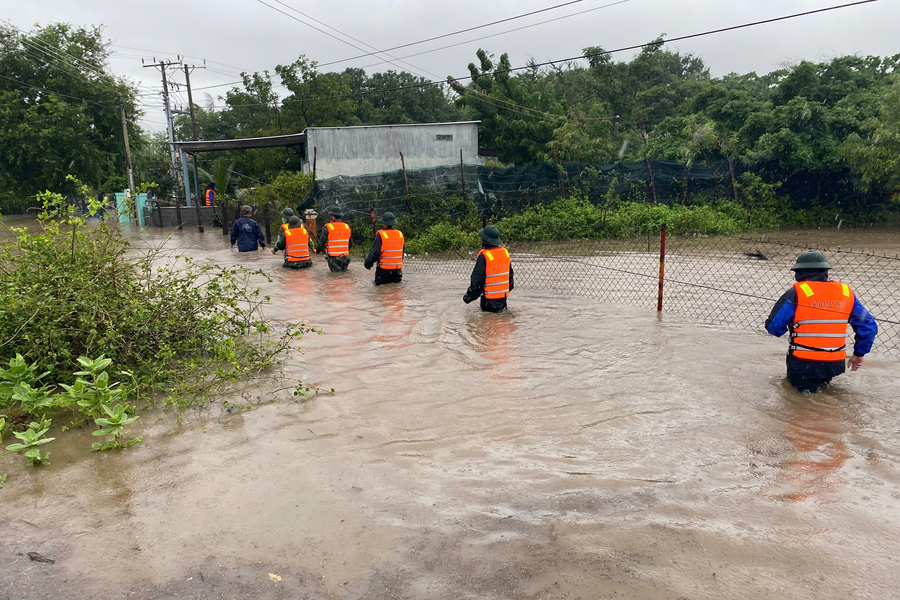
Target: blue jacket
(861, 320)
(246, 232)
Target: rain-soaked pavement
(572, 449)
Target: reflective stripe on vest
(823, 310)
(338, 243)
(496, 266)
(296, 242)
(391, 256)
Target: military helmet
(287, 213)
(811, 259)
(336, 211)
(246, 210)
(491, 235)
(388, 218)
(294, 221)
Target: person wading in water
(816, 312)
(246, 232)
(492, 277)
(334, 241)
(387, 250)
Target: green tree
(875, 155)
(59, 111)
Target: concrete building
(365, 150)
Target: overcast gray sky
(246, 35)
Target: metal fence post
(662, 266)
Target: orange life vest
(296, 242)
(338, 243)
(210, 196)
(819, 331)
(496, 281)
(391, 249)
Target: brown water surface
(571, 449)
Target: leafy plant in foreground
(113, 425)
(32, 439)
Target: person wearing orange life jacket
(286, 215)
(492, 277)
(210, 196)
(816, 312)
(294, 240)
(335, 242)
(387, 250)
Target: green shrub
(70, 291)
(443, 237)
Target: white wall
(354, 151)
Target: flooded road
(572, 449)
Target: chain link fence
(731, 281)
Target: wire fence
(731, 281)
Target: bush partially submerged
(174, 326)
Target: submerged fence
(726, 280)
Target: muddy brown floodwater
(572, 449)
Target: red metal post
(662, 266)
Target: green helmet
(336, 211)
(286, 214)
(388, 218)
(811, 259)
(294, 222)
(491, 235)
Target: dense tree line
(59, 113)
(823, 134)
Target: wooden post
(226, 230)
(462, 173)
(409, 207)
(652, 179)
(267, 222)
(178, 212)
(374, 226)
(197, 200)
(559, 176)
(733, 186)
(662, 267)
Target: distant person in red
(210, 195)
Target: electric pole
(187, 79)
(127, 146)
(162, 66)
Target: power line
(164, 52)
(331, 35)
(46, 91)
(493, 35)
(571, 59)
(289, 7)
(438, 37)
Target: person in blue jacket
(808, 375)
(246, 232)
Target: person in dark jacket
(816, 354)
(246, 232)
(387, 251)
(337, 252)
(492, 277)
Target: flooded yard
(575, 448)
